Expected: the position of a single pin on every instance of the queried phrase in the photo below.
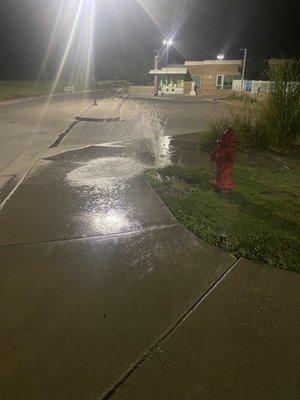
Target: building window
(197, 79)
(226, 81)
(220, 81)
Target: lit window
(197, 79)
(226, 81)
(220, 80)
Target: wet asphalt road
(101, 287)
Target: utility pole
(156, 66)
(244, 68)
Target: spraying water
(138, 131)
(147, 125)
(132, 121)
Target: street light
(220, 57)
(168, 42)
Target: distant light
(221, 57)
(168, 42)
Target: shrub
(272, 125)
(281, 113)
(245, 125)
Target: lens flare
(77, 19)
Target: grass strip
(258, 221)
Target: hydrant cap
(229, 138)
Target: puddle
(183, 150)
(114, 221)
(89, 153)
(105, 175)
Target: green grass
(259, 221)
(10, 90)
(18, 89)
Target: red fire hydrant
(225, 156)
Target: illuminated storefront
(172, 84)
(204, 78)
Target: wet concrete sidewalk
(104, 295)
(240, 342)
(94, 271)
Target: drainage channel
(78, 119)
(87, 119)
(60, 137)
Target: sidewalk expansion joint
(166, 335)
(79, 238)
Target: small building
(211, 78)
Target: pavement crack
(166, 335)
(78, 238)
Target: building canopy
(169, 71)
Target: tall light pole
(244, 68)
(156, 66)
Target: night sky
(127, 32)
